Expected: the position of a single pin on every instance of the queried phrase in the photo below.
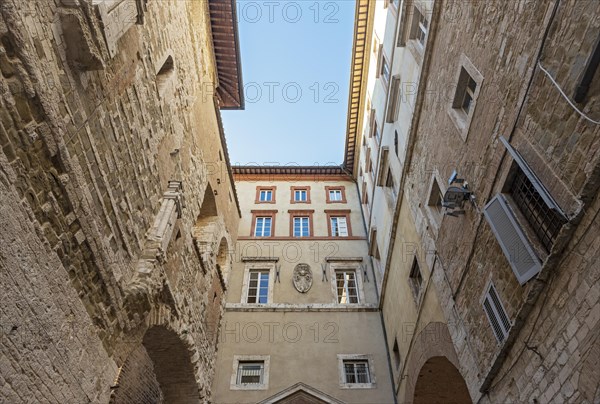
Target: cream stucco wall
(302, 333)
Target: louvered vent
(496, 314)
(513, 241)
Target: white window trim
(457, 115)
(263, 227)
(337, 218)
(342, 374)
(250, 358)
(263, 266)
(352, 266)
(301, 191)
(335, 192)
(266, 192)
(301, 220)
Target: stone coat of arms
(302, 278)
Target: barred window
(546, 223)
(357, 371)
(250, 372)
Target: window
(384, 73)
(339, 227)
(357, 371)
(545, 222)
(300, 194)
(250, 372)
(419, 28)
(436, 197)
(396, 352)
(164, 75)
(301, 226)
(468, 86)
(347, 289)
(258, 287)
(265, 195)
(263, 223)
(465, 92)
(396, 3)
(394, 101)
(415, 279)
(335, 194)
(262, 227)
(496, 314)
(339, 223)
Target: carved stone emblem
(302, 278)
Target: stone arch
(161, 367)
(432, 369)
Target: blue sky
(296, 68)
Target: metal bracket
(277, 268)
(364, 269)
(324, 269)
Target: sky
(295, 58)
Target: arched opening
(223, 259)
(439, 382)
(158, 371)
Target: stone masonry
(117, 205)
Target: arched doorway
(157, 371)
(439, 382)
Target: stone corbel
(81, 49)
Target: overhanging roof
(290, 170)
(358, 76)
(223, 18)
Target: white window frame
(266, 359)
(251, 267)
(268, 192)
(263, 226)
(337, 226)
(301, 219)
(337, 192)
(342, 358)
(334, 268)
(300, 192)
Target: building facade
(495, 218)
(301, 321)
(117, 201)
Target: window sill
(358, 386)
(461, 121)
(416, 50)
(256, 387)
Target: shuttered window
(339, 227)
(496, 314)
(515, 245)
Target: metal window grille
(357, 371)
(496, 314)
(546, 223)
(250, 372)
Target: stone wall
(97, 245)
(517, 100)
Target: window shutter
(513, 241)
(342, 227)
(496, 314)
